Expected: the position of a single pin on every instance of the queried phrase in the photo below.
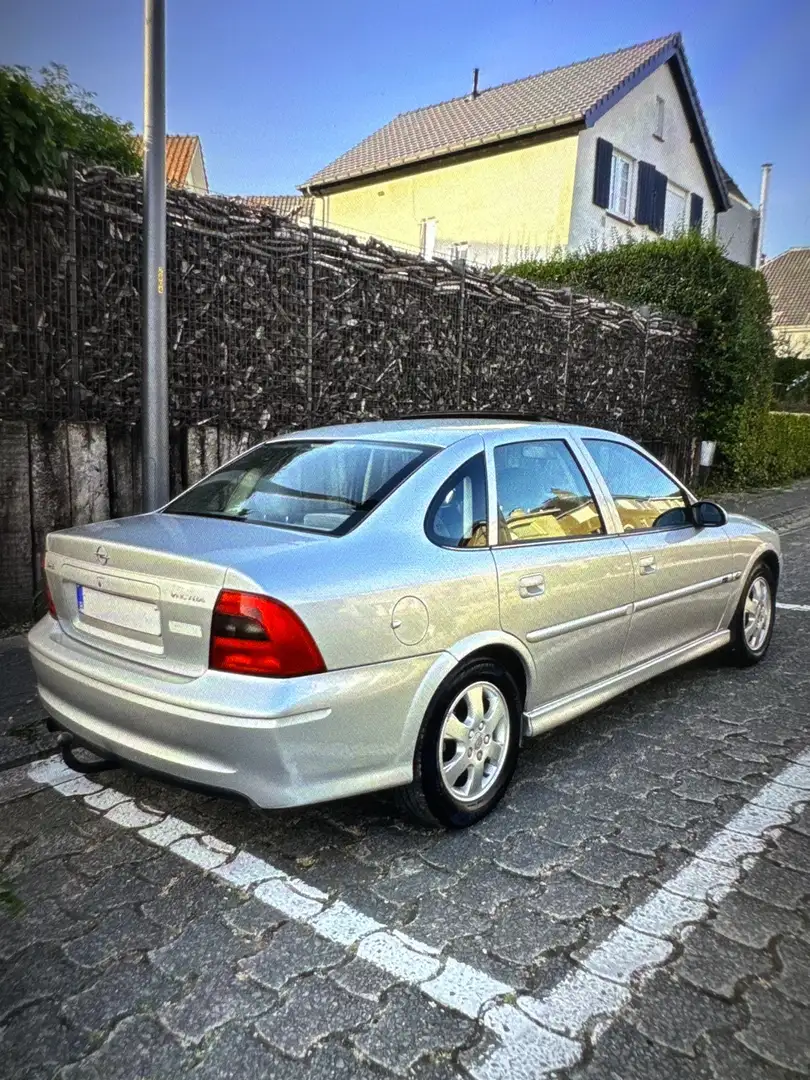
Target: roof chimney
(475, 83)
(759, 255)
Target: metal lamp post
(154, 376)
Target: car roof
(433, 431)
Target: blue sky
(276, 90)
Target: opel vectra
(390, 605)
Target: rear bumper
(276, 742)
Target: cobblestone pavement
(130, 960)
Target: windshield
(324, 487)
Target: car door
(682, 573)
(565, 586)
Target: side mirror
(707, 515)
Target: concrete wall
(58, 475)
(502, 205)
(737, 231)
(630, 127)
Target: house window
(620, 175)
(659, 118)
(674, 211)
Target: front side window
(542, 494)
(644, 496)
(620, 173)
(326, 487)
(458, 515)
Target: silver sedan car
(390, 605)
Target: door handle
(647, 565)
(535, 585)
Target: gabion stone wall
(273, 326)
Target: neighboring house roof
(294, 206)
(578, 93)
(734, 190)
(179, 154)
(788, 278)
(180, 150)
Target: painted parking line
(534, 1036)
(448, 982)
(793, 607)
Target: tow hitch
(66, 741)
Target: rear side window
(542, 494)
(326, 487)
(644, 496)
(458, 514)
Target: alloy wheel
(757, 614)
(473, 741)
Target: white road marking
(201, 851)
(590, 998)
(536, 1036)
(464, 988)
(793, 607)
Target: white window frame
(614, 202)
(660, 112)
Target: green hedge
(690, 276)
(786, 446)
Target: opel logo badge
(101, 555)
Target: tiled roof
(179, 155)
(788, 277)
(293, 206)
(547, 100)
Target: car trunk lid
(144, 588)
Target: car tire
(752, 625)
(482, 698)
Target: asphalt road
(636, 908)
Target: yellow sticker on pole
(160, 280)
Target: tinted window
(542, 493)
(458, 515)
(645, 497)
(318, 486)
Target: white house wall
(736, 232)
(196, 181)
(629, 126)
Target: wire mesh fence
(273, 325)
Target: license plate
(121, 611)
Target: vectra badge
(102, 556)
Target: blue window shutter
(644, 193)
(695, 212)
(601, 175)
(658, 202)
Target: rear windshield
(326, 487)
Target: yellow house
(788, 278)
(580, 155)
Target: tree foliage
(45, 123)
(690, 276)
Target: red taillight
(47, 593)
(254, 635)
